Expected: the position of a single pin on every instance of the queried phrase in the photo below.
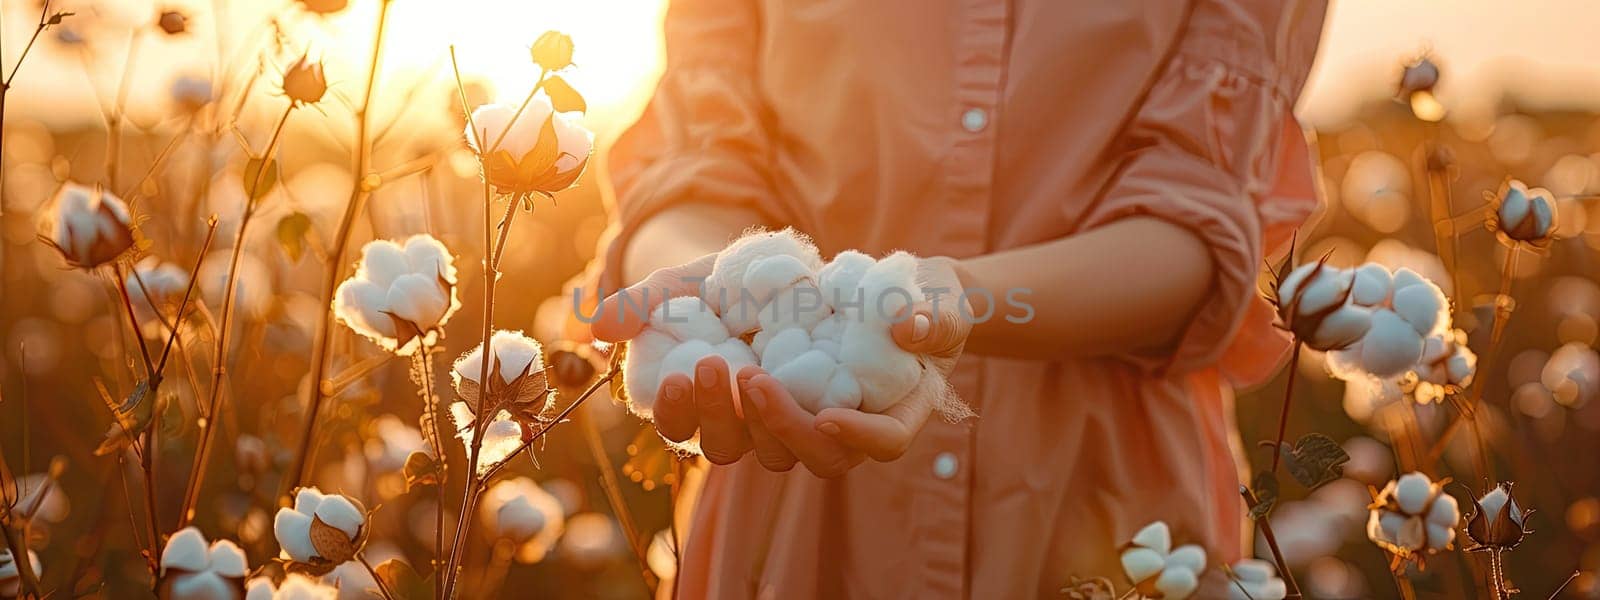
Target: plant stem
(619, 505)
(202, 453)
(323, 337)
(1503, 307)
(1288, 397)
(382, 587)
(1265, 523)
(1497, 577)
(430, 428)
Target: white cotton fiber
(1422, 305)
(743, 278)
(681, 331)
(1391, 346)
(1373, 284)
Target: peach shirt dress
(965, 127)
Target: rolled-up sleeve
(705, 135)
(1206, 151)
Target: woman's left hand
(835, 440)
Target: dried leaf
(402, 581)
(420, 471)
(563, 96)
(292, 231)
(257, 189)
(1265, 488)
(1314, 460)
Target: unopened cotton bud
(304, 81)
(1523, 214)
(552, 51)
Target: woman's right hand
(704, 403)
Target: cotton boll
(1445, 511)
(1342, 327)
(808, 378)
(886, 372)
(1372, 285)
(1404, 278)
(1391, 346)
(342, 514)
(1190, 557)
(1177, 584)
(293, 531)
(1412, 492)
(1141, 563)
(688, 318)
(227, 559)
(1423, 306)
(727, 288)
(1329, 288)
(1155, 536)
(1256, 579)
(840, 280)
(185, 550)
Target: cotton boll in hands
(680, 332)
(756, 269)
(885, 372)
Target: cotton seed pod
(538, 151)
(1413, 517)
(1312, 303)
(92, 227)
(173, 22)
(1156, 569)
(192, 569)
(1497, 521)
(321, 530)
(1522, 214)
(304, 81)
(552, 51)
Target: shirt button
(944, 465)
(974, 120)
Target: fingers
(884, 437)
(623, 315)
(936, 333)
(723, 437)
(769, 450)
(675, 414)
(795, 428)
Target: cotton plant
(321, 531)
(1157, 569)
(517, 395)
(1412, 517)
(522, 513)
(193, 569)
(401, 295)
(539, 151)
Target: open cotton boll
(1256, 579)
(1391, 346)
(885, 372)
(320, 529)
(1372, 286)
(679, 333)
(401, 294)
(1422, 304)
(751, 270)
(501, 437)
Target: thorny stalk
(323, 337)
(1265, 522)
(202, 454)
(1504, 304)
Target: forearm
(1131, 285)
(681, 234)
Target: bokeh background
(1519, 91)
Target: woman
(1127, 163)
